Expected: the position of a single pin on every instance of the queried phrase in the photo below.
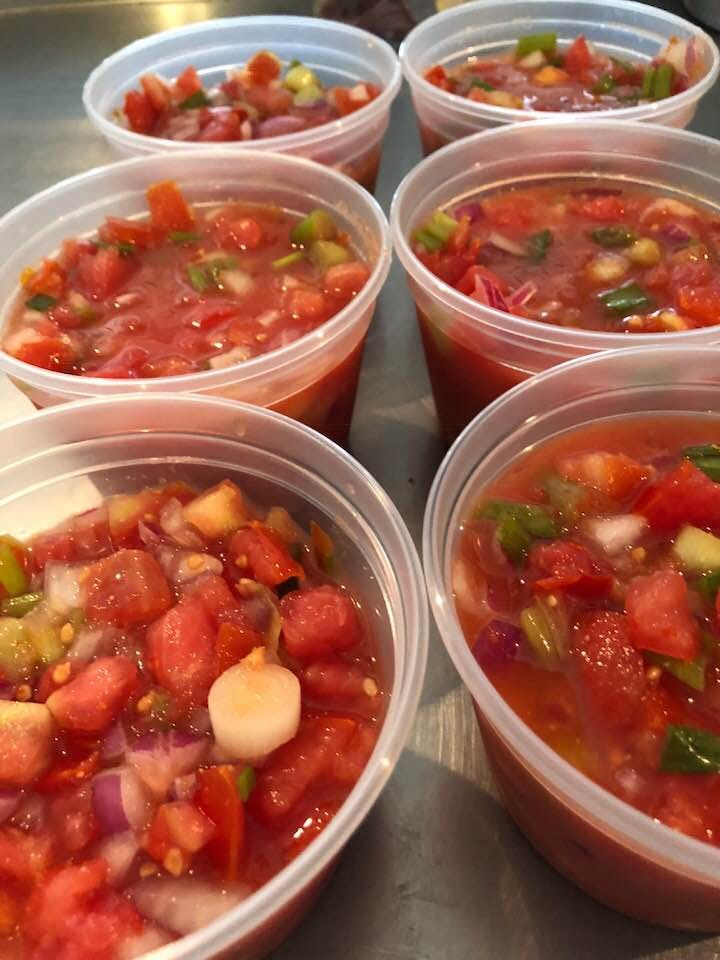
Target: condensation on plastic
(484, 28)
(72, 455)
(77, 206)
(338, 53)
(620, 855)
(641, 154)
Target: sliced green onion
(648, 84)
(41, 301)
(198, 276)
(317, 225)
(707, 585)
(706, 457)
(539, 244)
(183, 236)
(690, 672)
(690, 750)
(615, 236)
(327, 253)
(605, 84)
(427, 240)
(20, 605)
(12, 575)
(662, 84)
(197, 99)
(442, 225)
(245, 782)
(539, 632)
(483, 84)
(547, 42)
(288, 260)
(124, 249)
(626, 299)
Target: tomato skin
(577, 57)
(217, 797)
(264, 556)
(684, 495)
(608, 668)
(659, 617)
(126, 588)
(181, 652)
(319, 622)
(567, 566)
(168, 209)
(96, 696)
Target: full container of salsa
(485, 64)
(204, 273)
(299, 85)
(565, 547)
(178, 572)
(532, 244)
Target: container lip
(264, 364)
(287, 142)
(402, 705)
(478, 111)
(631, 825)
(530, 330)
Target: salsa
(188, 289)
(573, 254)
(189, 691)
(540, 75)
(258, 101)
(586, 582)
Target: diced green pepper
(606, 84)
(564, 495)
(626, 299)
(195, 100)
(307, 96)
(648, 84)
(615, 236)
(327, 253)
(317, 225)
(546, 42)
(183, 236)
(707, 585)
(12, 575)
(245, 782)
(662, 84)
(288, 260)
(198, 277)
(539, 630)
(299, 76)
(428, 241)
(690, 672)
(17, 657)
(518, 524)
(124, 249)
(690, 750)
(20, 605)
(539, 244)
(441, 226)
(706, 457)
(483, 84)
(41, 301)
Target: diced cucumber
(697, 550)
(299, 76)
(327, 253)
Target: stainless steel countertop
(438, 871)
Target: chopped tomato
(609, 669)
(125, 511)
(318, 622)
(72, 819)
(437, 77)
(467, 282)
(49, 278)
(168, 209)
(10, 913)
(181, 651)
(96, 696)
(577, 57)
(659, 617)
(218, 798)
(304, 303)
(71, 771)
(332, 680)
(126, 588)
(25, 857)
(352, 759)
(53, 545)
(260, 553)
(702, 303)
(156, 90)
(91, 534)
(684, 495)
(178, 830)
(309, 824)
(298, 765)
(224, 125)
(234, 642)
(188, 82)
(140, 111)
(245, 233)
(346, 279)
(612, 474)
(263, 68)
(102, 273)
(215, 595)
(42, 347)
(567, 566)
(136, 232)
(605, 209)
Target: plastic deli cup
(313, 379)
(624, 29)
(474, 352)
(611, 850)
(63, 460)
(337, 53)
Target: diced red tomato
(188, 82)
(218, 798)
(605, 209)
(116, 230)
(168, 208)
(125, 365)
(609, 669)
(352, 759)
(684, 495)
(234, 642)
(333, 681)
(43, 346)
(304, 303)
(10, 913)
(25, 857)
(437, 77)
(298, 765)
(467, 282)
(102, 273)
(49, 278)
(678, 807)
(91, 534)
(140, 111)
(214, 593)
(346, 279)
(310, 824)
(259, 553)
(577, 57)
(181, 651)
(702, 303)
(126, 588)
(178, 830)
(96, 696)
(70, 772)
(614, 475)
(263, 68)
(72, 820)
(53, 545)
(224, 125)
(157, 92)
(659, 617)
(567, 566)
(319, 622)
(245, 233)
(125, 511)
(55, 675)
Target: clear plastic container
(474, 352)
(612, 851)
(62, 460)
(338, 53)
(313, 379)
(636, 31)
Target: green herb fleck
(41, 301)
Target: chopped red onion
(181, 566)
(9, 802)
(173, 523)
(519, 297)
(183, 788)
(489, 294)
(280, 126)
(507, 245)
(676, 235)
(92, 642)
(159, 758)
(64, 587)
(184, 904)
(120, 801)
(151, 538)
(119, 852)
(114, 743)
(472, 211)
(496, 642)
